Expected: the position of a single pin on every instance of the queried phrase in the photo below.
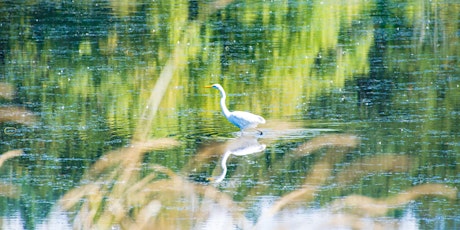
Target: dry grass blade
(6, 91)
(320, 171)
(9, 190)
(176, 62)
(16, 114)
(10, 154)
(424, 190)
(366, 206)
(146, 214)
(156, 144)
(145, 122)
(74, 196)
(319, 174)
(332, 140)
(373, 164)
(130, 154)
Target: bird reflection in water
(241, 146)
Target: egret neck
(225, 111)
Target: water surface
(105, 121)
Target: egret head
(218, 87)
(215, 86)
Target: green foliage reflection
(87, 71)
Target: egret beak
(208, 86)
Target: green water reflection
(360, 97)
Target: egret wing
(245, 120)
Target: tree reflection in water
(121, 191)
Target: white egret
(241, 119)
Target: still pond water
(106, 124)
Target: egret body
(241, 119)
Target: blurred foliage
(386, 70)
